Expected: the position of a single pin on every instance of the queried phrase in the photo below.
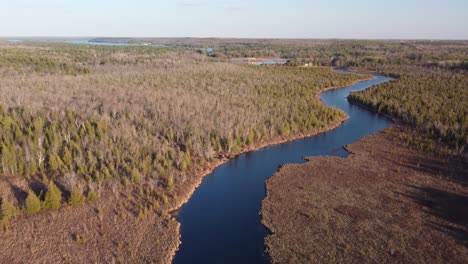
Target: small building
(261, 61)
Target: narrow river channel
(221, 223)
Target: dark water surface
(221, 223)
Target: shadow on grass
(449, 206)
(19, 194)
(38, 188)
(450, 167)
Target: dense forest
(433, 101)
(77, 117)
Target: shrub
(165, 198)
(76, 197)
(143, 213)
(92, 196)
(33, 204)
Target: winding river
(221, 223)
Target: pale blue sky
(428, 19)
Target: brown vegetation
(138, 128)
(111, 229)
(127, 133)
(384, 203)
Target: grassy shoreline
(338, 202)
(419, 153)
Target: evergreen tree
(7, 159)
(76, 197)
(7, 212)
(33, 204)
(67, 157)
(135, 176)
(53, 197)
(54, 162)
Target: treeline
(69, 59)
(432, 101)
(367, 54)
(26, 59)
(147, 123)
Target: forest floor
(103, 231)
(385, 203)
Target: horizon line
(238, 38)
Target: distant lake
(96, 43)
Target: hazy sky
(429, 19)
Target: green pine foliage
(434, 102)
(7, 212)
(33, 204)
(170, 183)
(135, 176)
(53, 197)
(92, 196)
(54, 162)
(76, 197)
(67, 157)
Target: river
(221, 223)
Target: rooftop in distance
(261, 61)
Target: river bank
(199, 175)
(384, 203)
(60, 236)
(184, 196)
(237, 187)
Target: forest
(431, 101)
(77, 118)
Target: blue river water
(221, 223)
